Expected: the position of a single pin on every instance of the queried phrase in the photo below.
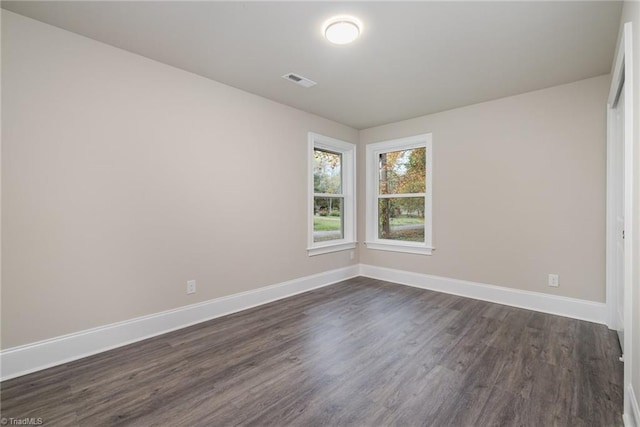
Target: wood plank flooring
(362, 352)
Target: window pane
(401, 219)
(327, 219)
(402, 172)
(327, 172)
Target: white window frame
(372, 169)
(348, 172)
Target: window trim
(348, 170)
(373, 151)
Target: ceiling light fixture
(342, 29)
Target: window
(399, 189)
(331, 195)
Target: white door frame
(615, 182)
(622, 77)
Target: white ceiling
(413, 58)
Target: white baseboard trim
(632, 419)
(537, 301)
(22, 360)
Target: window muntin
(327, 181)
(332, 195)
(401, 190)
(399, 195)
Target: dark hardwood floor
(362, 352)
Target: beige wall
(631, 13)
(122, 178)
(519, 191)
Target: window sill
(399, 247)
(335, 247)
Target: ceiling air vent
(297, 79)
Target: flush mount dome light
(342, 29)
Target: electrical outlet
(554, 280)
(351, 255)
(191, 287)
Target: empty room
(320, 213)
